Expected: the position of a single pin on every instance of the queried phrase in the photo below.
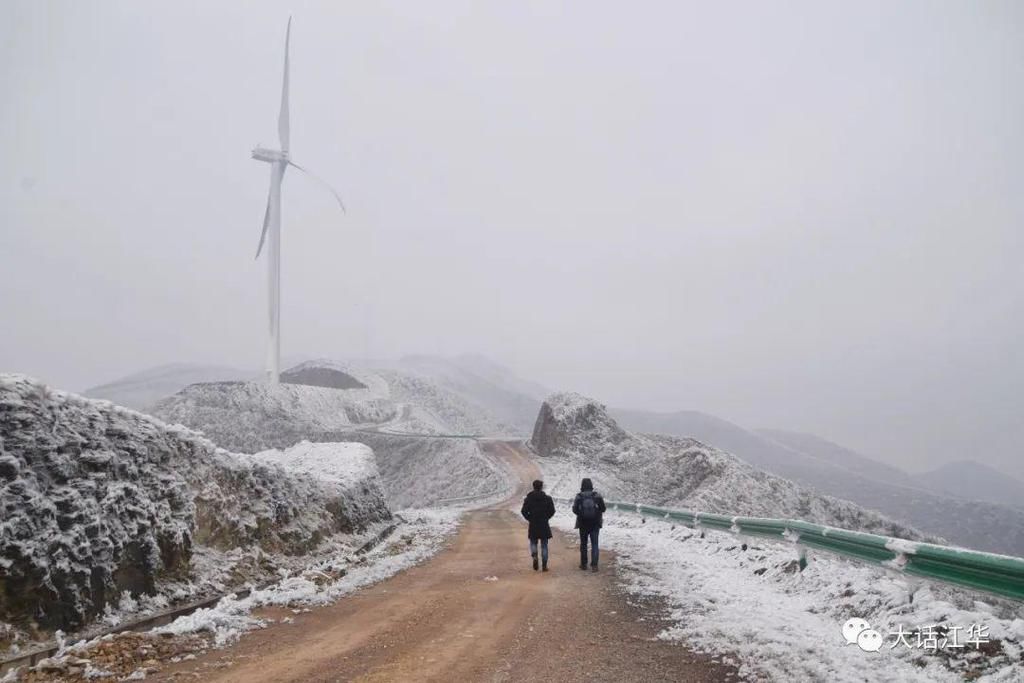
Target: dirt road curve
(441, 621)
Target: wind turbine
(279, 161)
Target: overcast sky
(800, 215)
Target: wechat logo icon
(859, 631)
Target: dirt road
(444, 621)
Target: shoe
(534, 563)
(583, 567)
(593, 568)
(544, 567)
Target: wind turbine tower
(279, 161)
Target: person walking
(589, 509)
(538, 508)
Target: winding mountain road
(441, 621)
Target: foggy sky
(798, 215)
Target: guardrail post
(736, 529)
(801, 551)
(636, 506)
(913, 585)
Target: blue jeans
(590, 534)
(543, 549)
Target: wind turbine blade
(283, 127)
(322, 182)
(266, 224)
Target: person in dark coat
(538, 508)
(589, 508)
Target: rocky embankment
(96, 500)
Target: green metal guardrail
(997, 574)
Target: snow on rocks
(564, 417)
(420, 472)
(451, 412)
(388, 415)
(774, 622)
(97, 500)
(349, 469)
(247, 417)
(345, 463)
(252, 416)
(575, 437)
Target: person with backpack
(538, 508)
(588, 508)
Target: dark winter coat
(538, 508)
(577, 510)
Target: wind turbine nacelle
(271, 156)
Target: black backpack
(588, 507)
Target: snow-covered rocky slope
(96, 500)
(576, 437)
(840, 472)
(388, 413)
(253, 416)
(248, 416)
(421, 472)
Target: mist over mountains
(967, 503)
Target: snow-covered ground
(757, 611)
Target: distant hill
(479, 380)
(823, 449)
(475, 379)
(971, 523)
(974, 480)
(500, 375)
(141, 390)
(327, 377)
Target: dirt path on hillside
(444, 621)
